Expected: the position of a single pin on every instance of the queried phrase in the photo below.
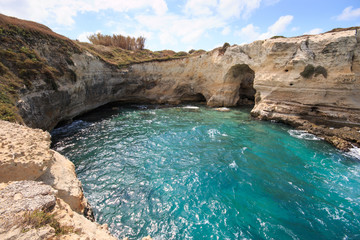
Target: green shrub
(223, 49)
(8, 54)
(30, 64)
(320, 70)
(181, 54)
(308, 71)
(226, 45)
(38, 219)
(3, 69)
(50, 79)
(275, 37)
(192, 51)
(199, 52)
(28, 74)
(7, 112)
(29, 53)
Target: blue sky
(187, 24)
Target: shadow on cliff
(241, 78)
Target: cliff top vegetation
(118, 40)
(22, 65)
(31, 53)
(124, 57)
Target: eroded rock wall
(329, 98)
(26, 155)
(274, 72)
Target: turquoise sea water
(175, 173)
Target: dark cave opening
(242, 76)
(246, 90)
(197, 97)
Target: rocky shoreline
(35, 178)
(311, 82)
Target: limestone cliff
(25, 156)
(309, 81)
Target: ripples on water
(177, 173)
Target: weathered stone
(61, 176)
(271, 67)
(24, 152)
(82, 227)
(20, 197)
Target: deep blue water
(175, 173)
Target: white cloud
(279, 26)
(224, 9)
(159, 6)
(63, 12)
(42, 10)
(200, 7)
(151, 19)
(237, 8)
(226, 30)
(314, 31)
(251, 32)
(349, 14)
(174, 27)
(83, 37)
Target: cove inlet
(198, 173)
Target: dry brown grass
(21, 65)
(28, 25)
(122, 57)
(37, 219)
(124, 42)
(343, 29)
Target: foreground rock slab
(24, 152)
(18, 200)
(56, 193)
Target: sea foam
(302, 134)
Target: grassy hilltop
(31, 52)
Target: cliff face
(306, 81)
(274, 69)
(302, 81)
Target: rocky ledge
(40, 195)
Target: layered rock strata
(302, 81)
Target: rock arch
(237, 87)
(243, 74)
